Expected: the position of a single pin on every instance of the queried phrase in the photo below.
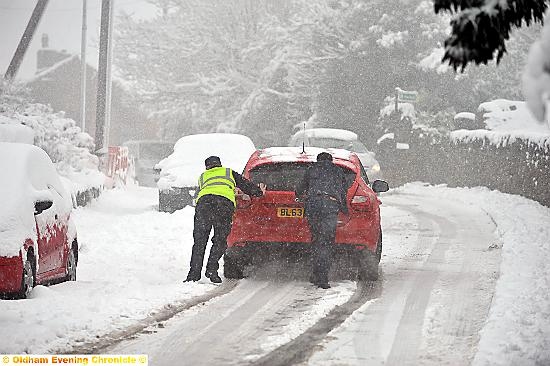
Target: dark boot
(192, 277)
(214, 277)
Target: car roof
(295, 154)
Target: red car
(38, 242)
(276, 220)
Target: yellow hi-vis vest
(218, 181)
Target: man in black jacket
(325, 189)
(215, 207)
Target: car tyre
(233, 267)
(28, 279)
(368, 263)
(70, 265)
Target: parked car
(276, 220)
(144, 154)
(179, 172)
(338, 139)
(38, 243)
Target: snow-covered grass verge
(517, 331)
(132, 261)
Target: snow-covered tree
(481, 28)
(480, 31)
(228, 66)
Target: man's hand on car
(263, 187)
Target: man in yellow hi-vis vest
(215, 206)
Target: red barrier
(118, 163)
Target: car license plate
(296, 212)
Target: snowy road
(442, 297)
(431, 302)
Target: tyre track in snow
(113, 338)
(435, 299)
(229, 330)
(301, 348)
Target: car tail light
(243, 200)
(360, 203)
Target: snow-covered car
(179, 172)
(338, 139)
(144, 155)
(38, 243)
(276, 220)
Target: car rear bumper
(355, 232)
(294, 250)
(11, 272)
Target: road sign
(406, 96)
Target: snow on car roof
(289, 154)
(184, 166)
(27, 175)
(333, 133)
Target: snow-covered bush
(65, 143)
(68, 147)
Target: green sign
(406, 96)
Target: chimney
(45, 41)
(46, 57)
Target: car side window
(364, 174)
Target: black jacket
(246, 186)
(323, 180)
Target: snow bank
(517, 331)
(184, 166)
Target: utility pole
(104, 77)
(26, 39)
(83, 68)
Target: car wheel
(232, 267)
(368, 266)
(28, 278)
(379, 248)
(70, 266)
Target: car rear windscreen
(287, 176)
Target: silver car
(339, 139)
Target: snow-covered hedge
(68, 147)
(511, 163)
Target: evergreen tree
(481, 28)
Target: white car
(179, 172)
(338, 139)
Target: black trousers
(211, 212)
(322, 217)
